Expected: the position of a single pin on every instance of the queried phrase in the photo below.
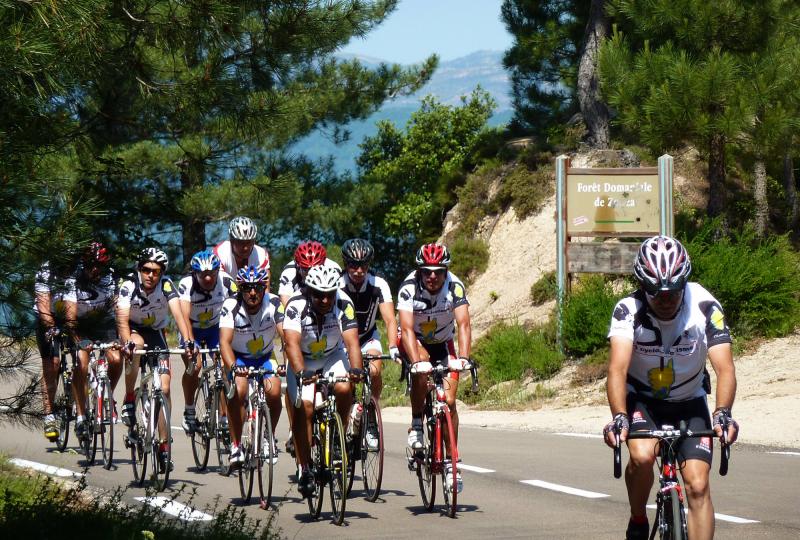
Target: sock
(416, 421)
(189, 409)
(130, 397)
(50, 418)
(639, 520)
(80, 418)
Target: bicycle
(430, 461)
(63, 401)
(670, 522)
(358, 447)
(206, 411)
(258, 440)
(100, 404)
(152, 420)
(328, 449)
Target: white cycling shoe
(448, 478)
(415, 438)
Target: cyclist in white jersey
(430, 301)
(370, 293)
(248, 326)
(49, 309)
(201, 295)
(144, 304)
(89, 305)
(660, 337)
(240, 249)
(321, 333)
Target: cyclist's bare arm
(408, 336)
(43, 300)
(284, 299)
(225, 348)
(294, 354)
(721, 357)
(464, 330)
(175, 309)
(387, 314)
(616, 387)
(123, 317)
(350, 338)
(185, 311)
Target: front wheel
(63, 404)
(677, 520)
(161, 443)
(89, 439)
(450, 495)
(222, 434)
(248, 465)
(318, 434)
(106, 422)
(139, 438)
(266, 451)
(336, 461)
(201, 437)
(424, 459)
(372, 456)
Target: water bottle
(355, 418)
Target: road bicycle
(150, 433)
(64, 400)
(670, 522)
(206, 406)
(258, 441)
(99, 421)
(371, 457)
(437, 424)
(328, 448)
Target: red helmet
(433, 255)
(96, 253)
(310, 254)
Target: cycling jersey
(669, 357)
(253, 335)
(373, 292)
(147, 310)
(259, 258)
(434, 314)
(206, 305)
(290, 281)
(91, 298)
(44, 284)
(321, 336)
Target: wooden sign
(602, 257)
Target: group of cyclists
(324, 318)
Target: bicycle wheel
(201, 439)
(222, 435)
(318, 435)
(106, 422)
(353, 455)
(161, 447)
(62, 409)
(265, 452)
(372, 458)
(675, 516)
(450, 495)
(247, 468)
(337, 465)
(89, 442)
(425, 475)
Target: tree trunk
(791, 189)
(194, 230)
(593, 109)
(716, 174)
(760, 196)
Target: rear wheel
(450, 495)
(425, 475)
(62, 409)
(201, 437)
(372, 458)
(222, 435)
(162, 444)
(266, 453)
(106, 422)
(337, 466)
(318, 435)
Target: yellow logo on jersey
(717, 319)
(60, 308)
(167, 286)
(318, 347)
(150, 320)
(282, 309)
(255, 345)
(428, 330)
(661, 380)
(234, 287)
(458, 291)
(204, 319)
(350, 312)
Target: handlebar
(88, 344)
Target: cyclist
(660, 337)
(321, 332)
(88, 302)
(370, 293)
(240, 249)
(49, 308)
(145, 301)
(430, 299)
(201, 295)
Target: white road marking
(583, 435)
(721, 517)
(174, 508)
(473, 468)
(565, 489)
(47, 469)
(785, 453)
(177, 428)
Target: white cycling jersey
(669, 357)
(259, 258)
(206, 305)
(253, 335)
(320, 337)
(147, 310)
(290, 282)
(434, 314)
(44, 284)
(91, 298)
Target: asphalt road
(516, 485)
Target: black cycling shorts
(153, 339)
(648, 413)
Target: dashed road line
(721, 517)
(785, 453)
(582, 435)
(47, 469)
(174, 508)
(565, 489)
(473, 468)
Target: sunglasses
(663, 296)
(258, 287)
(356, 266)
(320, 295)
(150, 270)
(438, 272)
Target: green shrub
(756, 281)
(510, 352)
(473, 197)
(470, 258)
(586, 315)
(545, 289)
(526, 189)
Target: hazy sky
(450, 28)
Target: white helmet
(242, 228)
(662, 264)
(323, 278)
(155, 255)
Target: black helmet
(357, 251)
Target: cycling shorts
(439, 353)
(373, 343)
(265, 362)
(337, 362)
(45, 346)
(153, 339)
(648, 413)
(207, 338)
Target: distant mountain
(452, 79)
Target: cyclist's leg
(272, 391)
(189, 382)
(79, 381)
(50, 367)
(302, 415)
(639, 472)
(374, 347)
(695, 456)
(450, 390)
(340, 365)
(132, 371)
(236, 405)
